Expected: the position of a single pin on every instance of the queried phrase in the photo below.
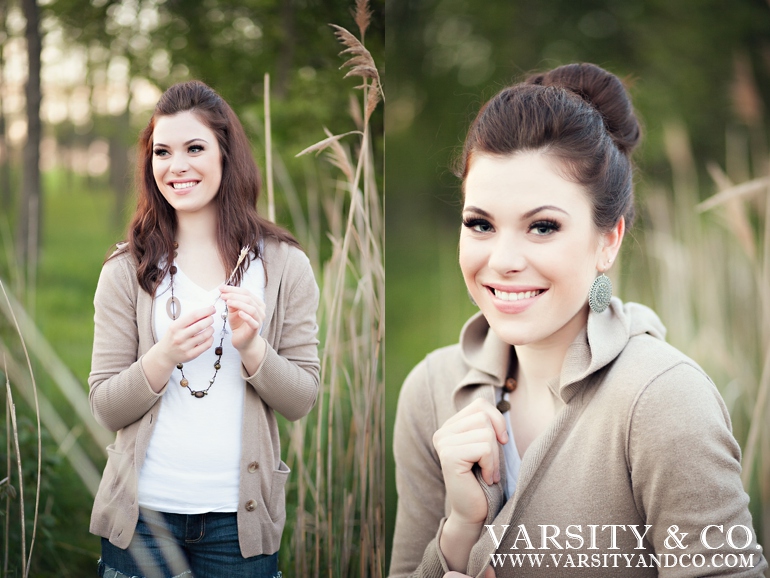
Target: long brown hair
(153, 227)
(578, 113)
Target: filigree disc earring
(600, 294)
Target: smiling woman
(205, 326)
(561, 411)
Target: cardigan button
(251, 505)
(253, 467)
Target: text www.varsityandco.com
(553, 560)
(712, 537)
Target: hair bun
(605, 92)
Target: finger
(489, 461)
(483, 407)
(200, 348)
(454, 574)
(490, 573)
(250, 321)
(479, 420)
(195, 328)
(240, 305)
(190, 317)
(459, 460)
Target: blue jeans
(181, 545)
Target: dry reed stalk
(269, 153)
(39, 436)
(7, 476)
(14, 426)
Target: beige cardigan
(643, 438)
(123, 401)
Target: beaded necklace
(173, 309)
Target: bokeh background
(699, 75)
(102, 64)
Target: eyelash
(548, 224)
(196, 148)
(473, 222)
(551, 226)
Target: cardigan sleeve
(419, 482)
(685, 470)
(288, 377)
(119, 391)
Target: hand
(469, 437)
(246, 314)
(188, 336)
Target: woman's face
(186, 162)
(529, 250)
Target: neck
(197, 229)
(541, 362)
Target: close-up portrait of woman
(596, 416)
(191, 288)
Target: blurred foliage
(230, 45)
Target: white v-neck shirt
(192, 464)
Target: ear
(610, 245)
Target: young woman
(562, 436)
(204, 327)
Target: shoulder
(647, 359)
(431, 382)
(119, 270)
(668, 391)
(281, 256)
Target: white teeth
(186, 185)
(516, 296)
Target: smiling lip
(514, 299)
(183, 186)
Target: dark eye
(196, 148)
(478, 225)
(160, 152)
(545, 227)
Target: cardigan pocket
(276, 505)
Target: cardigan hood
(597, 345)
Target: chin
(515, 332)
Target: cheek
(471, 257)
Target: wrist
(461, 527)
(457, 540)
(253, 354)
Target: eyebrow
(525, 216)
(192, 140)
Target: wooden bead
(217, 366)
(218, 351)
(503, 406)
(184, 383)
(172, 270)
(510, 385)
(179, 366)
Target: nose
(507, 255)
(179, 164)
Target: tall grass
(705, 268)
(337, 453)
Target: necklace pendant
(173, 307)
(199, 394)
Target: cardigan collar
(597, 345)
